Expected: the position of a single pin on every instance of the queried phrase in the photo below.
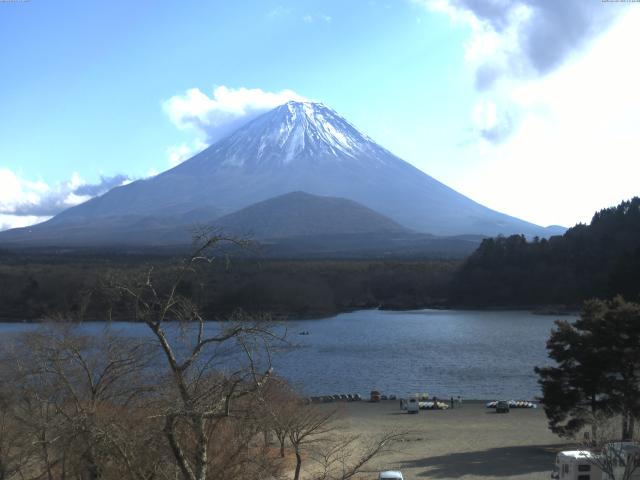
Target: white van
(583, 464)
(390, 475)
(576, 465)
(413, 406)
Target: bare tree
(203, 392)
(187, 403)
(345, 457)
(309, 426)
(312, 429)
(75, 392)
(15, 447)
(93, 407)
(618, 459)
(279, 404)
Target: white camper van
(576, 465)
(583, 464)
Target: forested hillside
(36, 286)
(601, 259)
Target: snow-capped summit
(296, 147)
(293, 132)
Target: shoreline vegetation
(39, 286)
(547, 276)
(550, 311)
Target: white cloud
(308, 18)
(228, 108)
(524, 38)
(278, 12)
(24, 202)
(72, 199)
(494, 122)
(152, 173)
(516, 41)
(15, 221)
(179, 153)
(576, 148)
(555, 109)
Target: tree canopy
(597, 260)
(597, 368)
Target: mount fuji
(296, 147)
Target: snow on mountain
(298, 146)
(296, 131)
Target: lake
(475, 354)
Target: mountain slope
(295, 147)
(301, 214)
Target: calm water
(482, 355)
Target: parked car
(375, 396)
(413, 406)
(390, 475)
(502, 407)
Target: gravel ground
(470, 443)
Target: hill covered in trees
(601, 259)
(41, 285)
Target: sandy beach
(471, 442)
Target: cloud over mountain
(525, 37)
(215, 116)
(23, 202)
(513, 42)
(575, 138)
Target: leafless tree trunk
(615, 452)
(202, 396)
(309, 425)
(74, 392)
(14, 445)
(313, 431)
(343, 458)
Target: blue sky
(86, 89)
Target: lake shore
(472, 442)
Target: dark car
(502, 407)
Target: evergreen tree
(597, 368)
(597, 260)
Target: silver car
(390, 475)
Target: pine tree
(597, 368)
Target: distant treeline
(40, 285)
(597, 260)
